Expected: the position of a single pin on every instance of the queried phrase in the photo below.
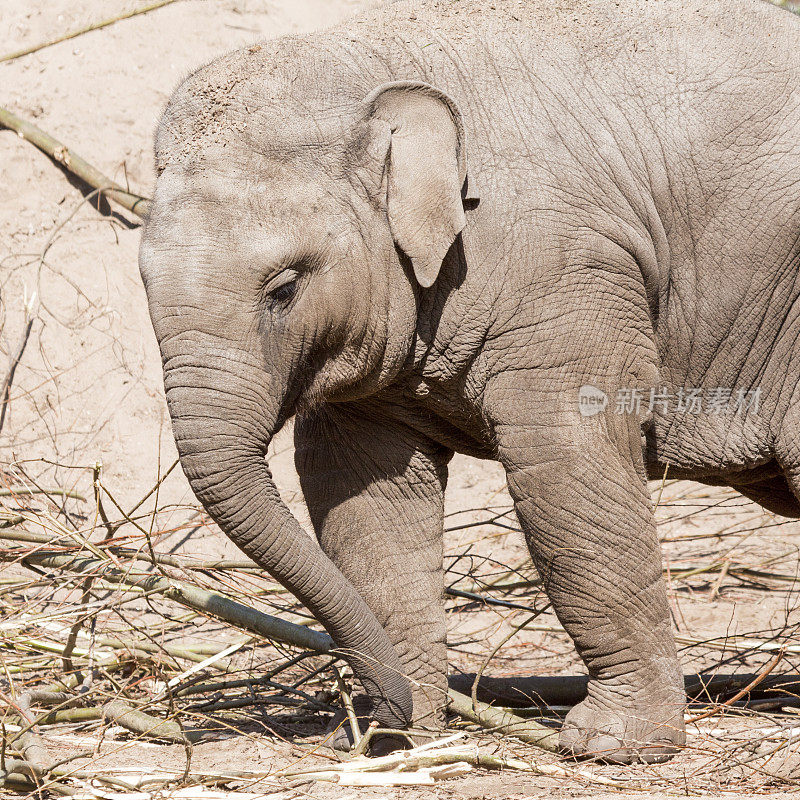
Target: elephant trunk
(225, 408)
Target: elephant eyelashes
(282, 288)
(284, 293)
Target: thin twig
(188, 595)
(347, 702)
(493, 653)
(760, 677)
(5, 387)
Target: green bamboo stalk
(193, 597)
(20, 491)
(504, 722)
(75, 164)
(118, 712)
(71, 715)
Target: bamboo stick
(85, 29)
(118, 712)
(193, 597)
(504, 722)
(75, 164)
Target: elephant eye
(283, 287)
(285, 292)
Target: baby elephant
(562, 236)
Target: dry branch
(259, 623)
(569, 690)
(193, 597)
(503, 721)
(13, 363)
(120, 713)
(432, 755)
(80, 31)
(744, 690)
(75, 164)
(33, 748)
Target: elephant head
(283, 262)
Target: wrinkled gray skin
(637, 166)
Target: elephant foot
(646, 731)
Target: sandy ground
(88, 390)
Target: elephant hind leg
(785, 500)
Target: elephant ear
(425, 171)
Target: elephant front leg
(375, 495)
(583, 505)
